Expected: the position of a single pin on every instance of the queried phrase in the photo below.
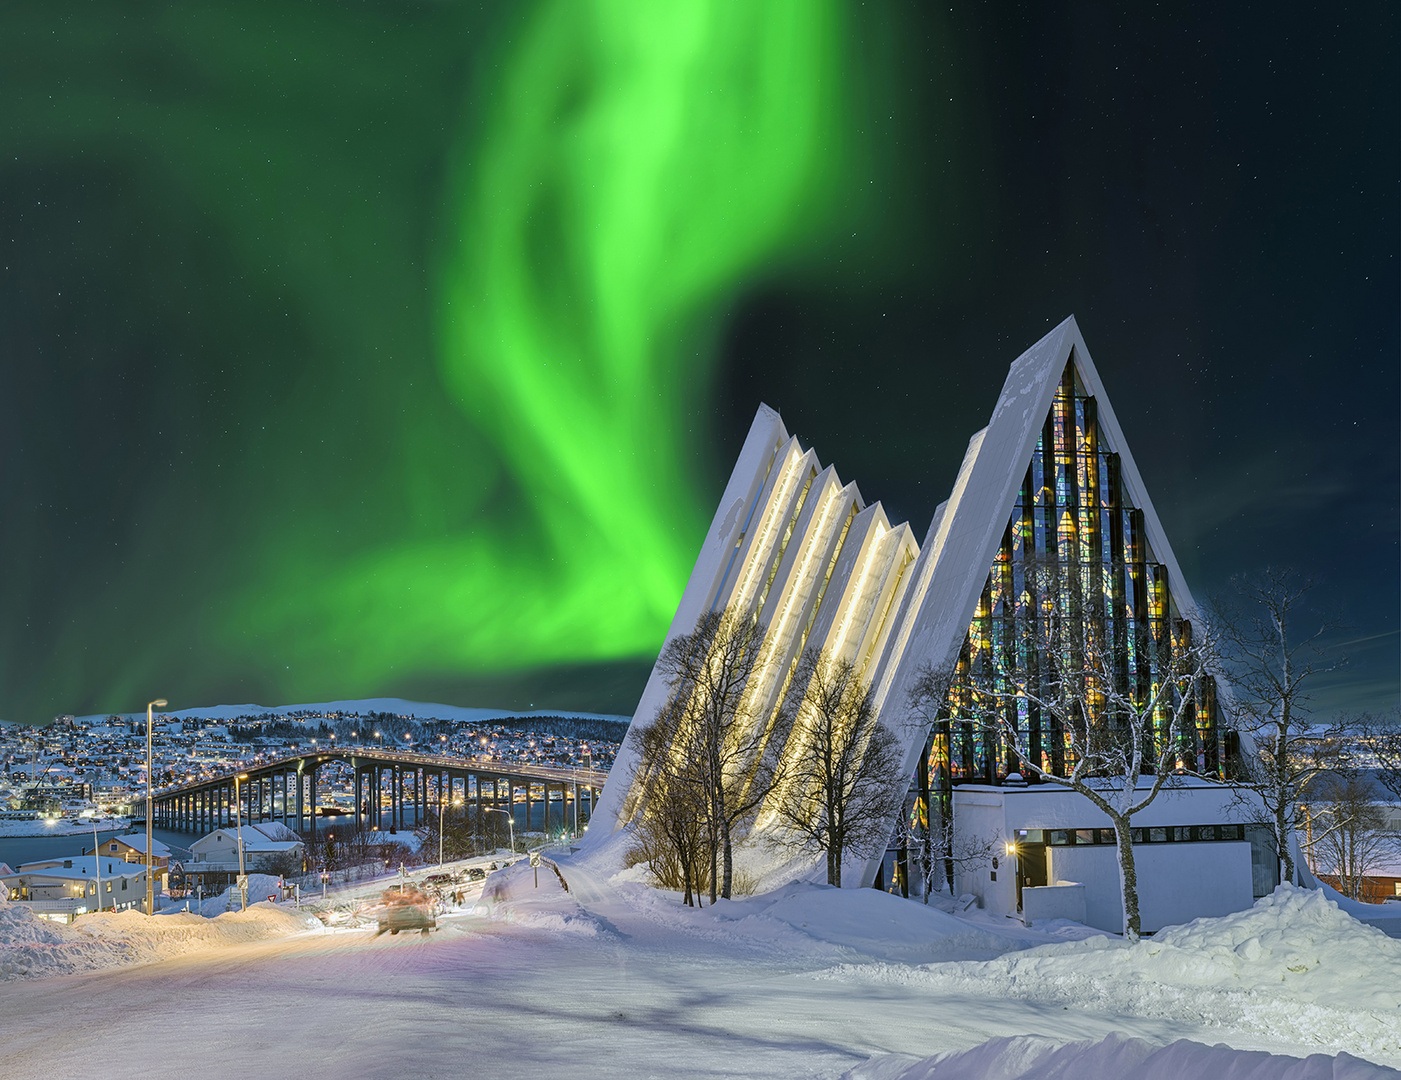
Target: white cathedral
(1049, 478)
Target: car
(404, 916)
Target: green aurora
(402, 365)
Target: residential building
(62, 889)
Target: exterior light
(238, 810)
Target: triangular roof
(905, 617)
(964, 536)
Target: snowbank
(1293, 967)
(1025, 1057)
(37, 948)
(864, 921)
(260, 887)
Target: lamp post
(510, 820)
(442, 802)
(588, 768)
(238, 811)
(96, 866)
(150, 795)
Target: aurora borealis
(403, 347)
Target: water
(21, 849)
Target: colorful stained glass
(1073, 567)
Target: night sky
(370, 349)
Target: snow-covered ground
(614, 979)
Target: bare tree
(846, 767)
(1272, 663)
(711, 713)
(673, 830)
(1345, 829)
(1116, 732)
(941, 852)
(1381, 740)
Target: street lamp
(150, 795)
(510, 819)
(442, 802)
(96, 866)
(238, 812)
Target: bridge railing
(563, 774)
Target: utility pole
(150, 806)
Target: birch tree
(1275, 653)
(712, 713)
(1122, 743)
(1347, 837)
(845, 772)
(674, 829)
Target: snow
(1030, 1057)
(31, 947)
(1386, 917)
(260, 886)
(1294, 967)
(60, 827)
(616, 979)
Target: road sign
(534, 858)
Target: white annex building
(1049, 481)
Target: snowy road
(617, 985)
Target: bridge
(392, 790)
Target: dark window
(1058, 836)
(1084, 836)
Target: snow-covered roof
(137, 842)
(83, 869)
(264, 836)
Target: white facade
(1180, 878)
(221, 846)
(65, 888)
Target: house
(132, 848)
(62, 889)
(214, 859)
